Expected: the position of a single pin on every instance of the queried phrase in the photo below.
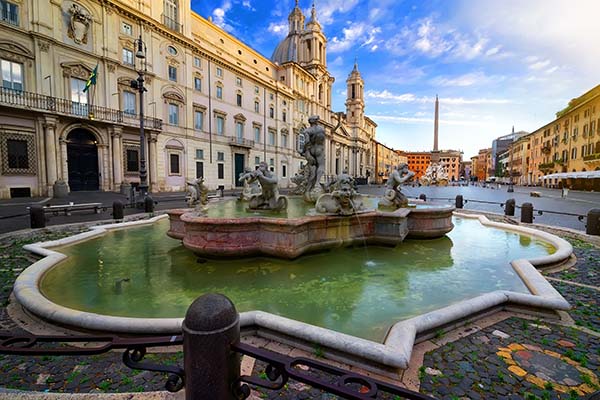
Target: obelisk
(435, 154)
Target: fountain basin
(290, 237)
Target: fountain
(369, 307)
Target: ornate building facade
(214, 106)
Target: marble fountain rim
(394, 352)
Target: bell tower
(355, 102)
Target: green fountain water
(140, 272)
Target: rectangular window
(127, 57)
(133, 164)
(238, 98)
(220, 171)
(173, 114)
(220, 156)
(257, 134)
(284, 171)
(238, 81)
(256, 90)
(129, 103)
(271, 161)
(284, 116)
(199, 154)
(198, 120)
(271, 112)
(9, 12)
(198, 84)
(239, 131)
(79, 97)
(220, 125)
(17, 154)
(199, 169)
(127, 28)
(272, 138)
(197, 62)
(219, 72)
(270, 96)
(12, 75)
(174, 163)
(256, 160)
(172, 73)
(573, 153)
(256, 107)
(219, 92)
(284, 140)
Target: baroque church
(213, 107)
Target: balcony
(47, 104)
(241, 142)
(546, 149)
(172, 24)
(546, 166)
(592, 158)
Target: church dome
(287, 50)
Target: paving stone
(500, 334)
(432, 371)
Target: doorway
(238, 168)
(82, 161)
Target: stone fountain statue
(269, 198)
(197, 196)
(435, 175)
(314, 152)
(393, 197)
(343, 199)
(251, 185)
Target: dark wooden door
(239, 168)
(82, 160)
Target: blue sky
(494, 64)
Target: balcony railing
(42, 103)
(546, 165)
(592, 157)
(171, 23)
(241, 142)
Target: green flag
(92, 79)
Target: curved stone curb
(394, 352)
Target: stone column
(50, 153)
(153, 155)
(117, 158)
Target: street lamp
(138, 85)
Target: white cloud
(326, 9)
(539, 65)
(420, 120)
(470, 79)
(357, 34)
(387, 97)
(493, 51)
(279, 28)
(219, 15)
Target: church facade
(213, 106)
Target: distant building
(500, 145)
(418, 161)
(386, 159)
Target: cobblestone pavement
(515, 358)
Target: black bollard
(37, 217)
(148, 204)
(509, 208)
(527, 213)
(210, 326)
(459, 201)
(593, 222)
(117, 210)
(423, 197)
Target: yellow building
(386, 159)
(213, 106)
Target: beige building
(213, 105)
(386, 160)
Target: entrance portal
(239, 168)
(82, 160)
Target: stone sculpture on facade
(251, 185)
(269, 198)
(197, 196)
(343, 199)
(314, 153)
(393, 197)
(79, 24)
(435, 175)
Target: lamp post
(138, 85)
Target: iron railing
(43, 103)
(238, 141)
(279, 370)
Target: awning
(573, 175)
